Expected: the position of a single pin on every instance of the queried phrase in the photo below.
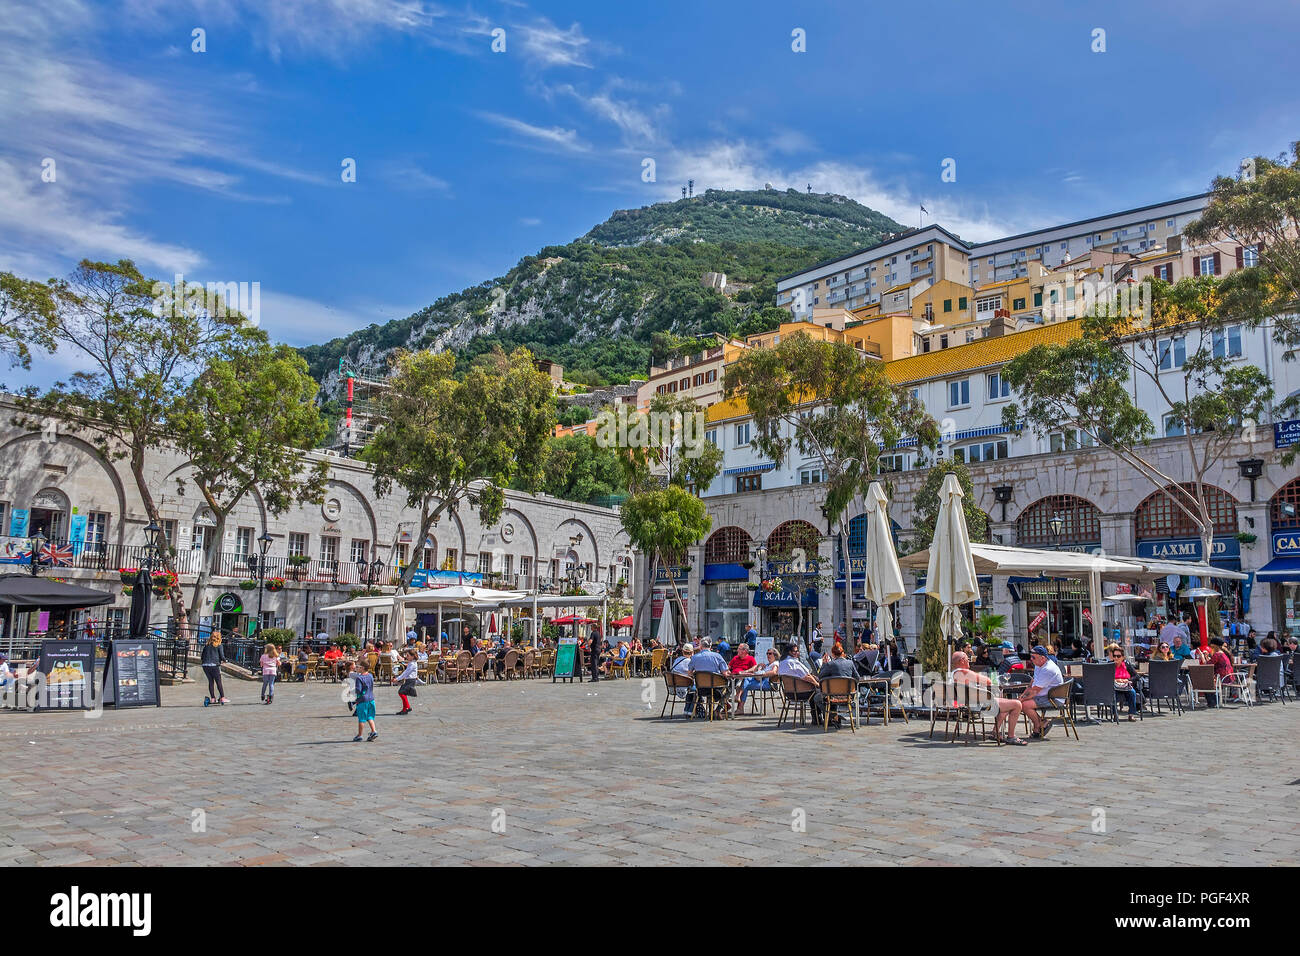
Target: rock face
(595, 304)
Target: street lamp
(1056, 523)
(38, 545)
(1002, 495)
(153, 538)
(1252, 469)
(258, 566)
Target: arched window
(793, 534)
(729, 545)
(1082, 522)
(1159, 517)
(1288, 494)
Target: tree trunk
(848, 590)
(211, 551)
(426, 522)
(179, 614)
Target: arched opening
(1080, 524)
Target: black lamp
(1251, 469)
(1002, 495)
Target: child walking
(270, 667)
(409, 677)
(365, 701)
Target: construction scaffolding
(361, 385)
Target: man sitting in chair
(1046, 676)
(806, 684)
(1008, 710)
(710, 661)
(837, 666)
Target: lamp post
(38, 545)
(153, 538)
(1002, 495)
(258, 566)
(1057, 525)
(1252, 469)
(368, 573)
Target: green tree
(140, 344)
(27, 319)
(1089, 383)
(663, 523)
(575, 468)
(826, 401)
(244, 423)
(665, 443)
(445, 440)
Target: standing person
(593, 656)
(212, 659)
(407, 680)
(270, 667)
(365, 683)
(350, 685)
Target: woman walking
(213, 658)
(407, 679)
(270, 667)
(365, 683)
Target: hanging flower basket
(161, 592)
(772, 584)
(163, 582)
(247, 585)
(128, 574)
(127, 590)
(275, 584)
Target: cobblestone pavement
(530, 772)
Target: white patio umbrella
(884, 578)
(950, 575)
(666, 636)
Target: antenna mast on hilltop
(690, 183)
(683, 192)
(810, 188)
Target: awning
(362, 604)
(750, 469)
(1280, 570)
(26, 590)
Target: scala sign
(1286, 544)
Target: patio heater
(1056, 523)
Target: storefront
(1163, 531)
(786, 611)
(1282, 572)
(664, 601)
(727, 611)
(1056, 610)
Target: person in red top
(1124, 677)
(741, 662)
(1222, 663)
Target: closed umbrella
(141, 599)
(884, 582)
(950, 575)
(666, 636)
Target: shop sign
(679, 575)
(1187, 549)
(1286, 434)
(1286, 543)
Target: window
(169, 529)
(243, 542)
(1173, 426)
(959, 393)
(1018, 305)
(453, 560)
(526, 565)
(1169, 223)
(507, 564)
(297, 544)
(1071, 439)
(961, 304)
(893, 462)
(997, 387)
(1082, 522)
(711, 436)
(711, 375)
(929, 312)
(1172, 353)
(811, 476)
(485, 562)
(199, 538)
(981, 451)
(1227, 342)
(329, 548)
(1159, 517)
(943, 341)
(1164, 272)
(1207, 265)
(96, 532)
(358, 550)
(1249, 256)
(1038, 300)
(752, 482)
(400, 555)
(947, 305)
(742, 434)
(988, 304)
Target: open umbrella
(950, 575)
(141, 599)
(884, 581)
(622, 622)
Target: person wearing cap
(1035, 698)
(709, 661)
(682, 666)
(807, 687)
(1010, 659)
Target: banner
(18, 523)
(1039, 618)
(77, 534)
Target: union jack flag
(56, 554)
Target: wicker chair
(711, 690)
(673, 683)
(792, 704)
(657, 658)
(531, 668)
(510, 664)
(617, 665)
(478, 665)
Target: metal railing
(173, 651)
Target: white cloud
(553, 136)
(296, 320)
(408, 175)
(546, 45)
(636, 125)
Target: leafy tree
(243, 423)
(1088, 384)
(663, 523)
(26, 319)
(825, 400)
(575, 468)
(665, 443)
(141, 344)
(444, 440)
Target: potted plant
(275, 584)
(1245, 537)
(247, 585)
(128, 574)
(163, 582)
(350, 641)
(127, 590)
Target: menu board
(69, 669)
(132, 675)
(566, 659)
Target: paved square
(529, 772)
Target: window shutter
(1240, 258)
(1218, 269)
(1196, 264)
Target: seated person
(1046, 676)
(982, 658)
(1181, 650)
(1008, 710)
(742, 662)
(1125, 677)
(1011, 661)
(710, 661)
(889, 661)
(837, 665)
(762, 679)
(1223, 669)
(806, 686)
(1162, 653)
(865, 659)
(682, 666)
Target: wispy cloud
(546, 45)
(638, 126)
(550, 136)
(409, 175)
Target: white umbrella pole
(1094, 598)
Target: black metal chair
(1099, 689)
(1163, 683)
(1268, 678)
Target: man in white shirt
(709, 660)
(1046, 676)
(806, 684)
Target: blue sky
(225, 164)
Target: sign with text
(69, 669)
(1286, 544)
(131, 677)
(1187, 549)
(566, 659)
(1286, 434)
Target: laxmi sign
(1187, 549)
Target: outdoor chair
(1163, 684)
(840, 691)
(619, 665)
(657, 657)
(1062, 698)
(960, 705)
(711, 691)
(510, 664)
(530, 664)
(1268, 678)
(1241, 685)
(1099, 689)
(1203, 682)
(478, 665)
(385, 670)
(772, 694)
(791, 704)
(672, 684)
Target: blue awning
(1280, 570)
(749, 469)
